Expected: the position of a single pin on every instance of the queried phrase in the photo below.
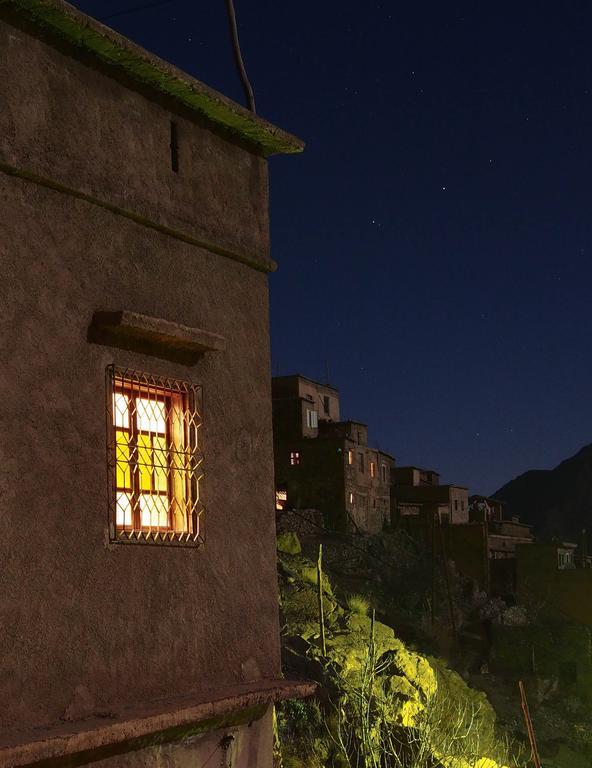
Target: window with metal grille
(154, 458)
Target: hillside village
(329, 465)
(519, 600)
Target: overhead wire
(238, 59)
(236, 49)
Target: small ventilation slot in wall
(174, 147)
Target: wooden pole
(529, 727)
(433, 605)
(321, 613)
(447, 577)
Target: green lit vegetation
(358, 604)
(380, 704)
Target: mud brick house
(474, 532)
(553, 577)
(138, 595)
(324, 463)
(417, 493)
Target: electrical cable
(238, 57)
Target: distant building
(417, 492)
(483, 508)
(324, 463)
(551, 576)
(474, 532)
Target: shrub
(289, 543)
(358, 604)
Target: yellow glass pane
(160, 464)
(145, 462)
(122, 458)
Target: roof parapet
(61, 22)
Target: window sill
(94, 738)
(154, 536)
(153, 336)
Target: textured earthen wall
(85, 625)
(61, 119)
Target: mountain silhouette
(558, 502)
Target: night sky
(434, 239)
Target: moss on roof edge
(61, 20)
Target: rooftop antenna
(238, 59)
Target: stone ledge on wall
(157, 723)
(153, 336)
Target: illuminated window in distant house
(154, 458)
(351, 499)
(372, 469)
(294, 458)
(350, 457)
(281, 499)
(312, 419)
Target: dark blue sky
(434, 240)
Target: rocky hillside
(556, 501)
(379, 703)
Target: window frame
(184, 458)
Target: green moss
(78, 30)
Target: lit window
(372, 469)
(351, 498)
(154, 458)
(294, 458)
(281, 499)
(312, 419)
(350, 457)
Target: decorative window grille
(294, 458)
(154, 458)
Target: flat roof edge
(301, 376)
(61, 21)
